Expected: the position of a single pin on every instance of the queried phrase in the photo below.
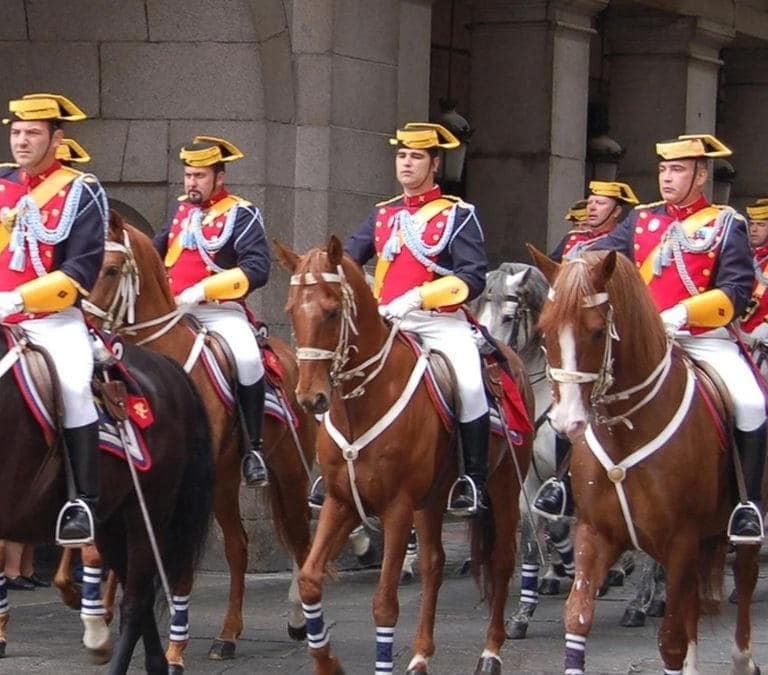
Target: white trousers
(230, 321)
(66, 338)
(726, 359)
(452, 334)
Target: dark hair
(433, 151)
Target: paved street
(44, 636)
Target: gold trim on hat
(44, 107)
(221, 150)
(69, 150)
(758, 210)
(578, 212)
(425, 135)
(615, 190)
(692, 146)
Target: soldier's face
(415, 170)
(600, 211)
(758, 233)
(681, 180)
(201, 183)
(33, 144)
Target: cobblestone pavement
(44, 636)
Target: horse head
(334, 318)
(130, 265)
(601, 328)
(511, 305)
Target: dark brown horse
(396, 460)
(176, 490)
(651, 466)
(132, 288)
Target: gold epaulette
(241, 201)
(390, 200)
(459, 201)
(649, 205)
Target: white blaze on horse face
(568, 415)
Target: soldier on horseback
(431, 258)
(695, 259)
(216, 253)
(603, 209)
(51, 248)
(754, 321)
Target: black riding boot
(468, 493)
(77, 518)
(554, 496)
(251, 399)
(746, 523)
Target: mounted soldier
(216, 253)
(51, 247)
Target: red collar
(760, 253)
(31, 182)
(214, 198)
(680, 213)
(423, 198)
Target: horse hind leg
(745, 572)
(297, 623)
(411, 555)
(63, 580)
(96, 635)
(4, 614)
(516, 626)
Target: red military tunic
(576, 241)
(757, 309)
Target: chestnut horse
(652, 467)
(353, 368)
(132, 297)
(176, 492)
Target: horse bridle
(603, 379)
(122, 309)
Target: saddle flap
(716, 393)
(444, 377)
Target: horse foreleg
(336, 522)
(431, 564)
(179, 629)
(96, 636)
(411, 554)
(745, 571)
(155, 662)
(517, 624)
(227, 508)
(297, 624)
(595, 554)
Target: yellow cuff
(443, 292)
(49, 293)
(229, 285)
(710, 309)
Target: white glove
(674, 318)
(191, 295)
(11, 302)
(400, 306)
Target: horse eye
(332, 314)
(112, 271)
(598, 335)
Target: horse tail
(191, 518)
(711, 566)
(483, 537)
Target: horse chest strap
(350, 453)
(617, 474)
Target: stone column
(746, 100)
(663, 83)
(529, 91)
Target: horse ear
(287, 258)
(115, 227)
(335, 250)
(609, 265)
(549, 268)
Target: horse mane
(636, 317)
(144, 251)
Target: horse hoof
(488, 665)
(368, 559)
(549, 586)
(2, 649)
(406, 578)
(98, 657)
(413, 671)
(516, 630)
(222, 650)
(298, 633)
(604, 589)
(615, 578)
(656, 608)
(175, 669)
(465, 568)
(633, 618)
(733, 598)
